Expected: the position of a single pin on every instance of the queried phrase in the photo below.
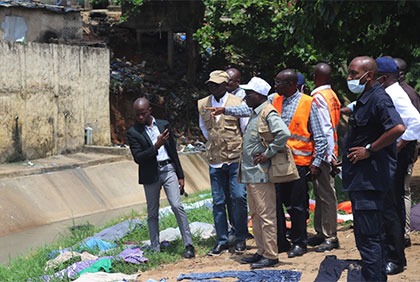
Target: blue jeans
(224, 184)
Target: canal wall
(43, 191)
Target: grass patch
(32, 266)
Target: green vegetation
(262, 37)
(33, 264)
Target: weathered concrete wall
(54, 195)
(48, 94)
(40, 24)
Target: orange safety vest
(334, 106)
(300, 141)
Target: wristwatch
(369, 148)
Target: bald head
(286, 82)
(234, 79)
(363, 68)
(142, 111)
(366, 62)
(322, 74)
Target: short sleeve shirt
(373, 114)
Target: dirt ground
(308, 264)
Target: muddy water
(22, 243)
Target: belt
(163, 163)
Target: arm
(280, 133)
(326, 125)
(141, 150)
(203, 127)
(237, 111)
(320, 141)
(175, 159)
(387, 138)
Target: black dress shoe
(315, 240)
(297, 251)
(254, 258)
(393, 268)
(264, 262)
(218, 249)
(328, 245)
(189, 251)
(240, 247)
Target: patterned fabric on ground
(246, 276)
(132, 255)
(62, 258)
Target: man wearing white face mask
(369, 161)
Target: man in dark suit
(154, 149)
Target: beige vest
(225, 136)
(282, 168)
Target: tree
(262, 37)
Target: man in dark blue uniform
(370, 162)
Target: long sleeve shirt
(408, 113)
(289, 108)
(325, 119)
(252, 145)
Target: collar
(366, 95)
(222, 100)
(319, 88)
(153, 123)
(258, 109)
(293, 96)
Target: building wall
(48, 94)
(40, 24)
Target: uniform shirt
(373, 114)
(289, 108)
(221, 103)
(153, 132)
(252, 145)
(409, 114)
(325, 120)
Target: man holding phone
(154, 149)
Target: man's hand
(401, 145)
(357, 154)
(162, 138)
(215, 111)
(260, 158)
(315, 172)
(335, 167)
(181, 187)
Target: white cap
(257, 84)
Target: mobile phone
(182, 192)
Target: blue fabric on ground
(91, 243)
(331, 269)
(118, 231)
(247, 276)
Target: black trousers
(294, 196)
(394, 210)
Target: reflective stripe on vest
(334, 106)
(300, 141)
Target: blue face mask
(355, 86)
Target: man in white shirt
(325, 216)
(224, 143)
(394, 209)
